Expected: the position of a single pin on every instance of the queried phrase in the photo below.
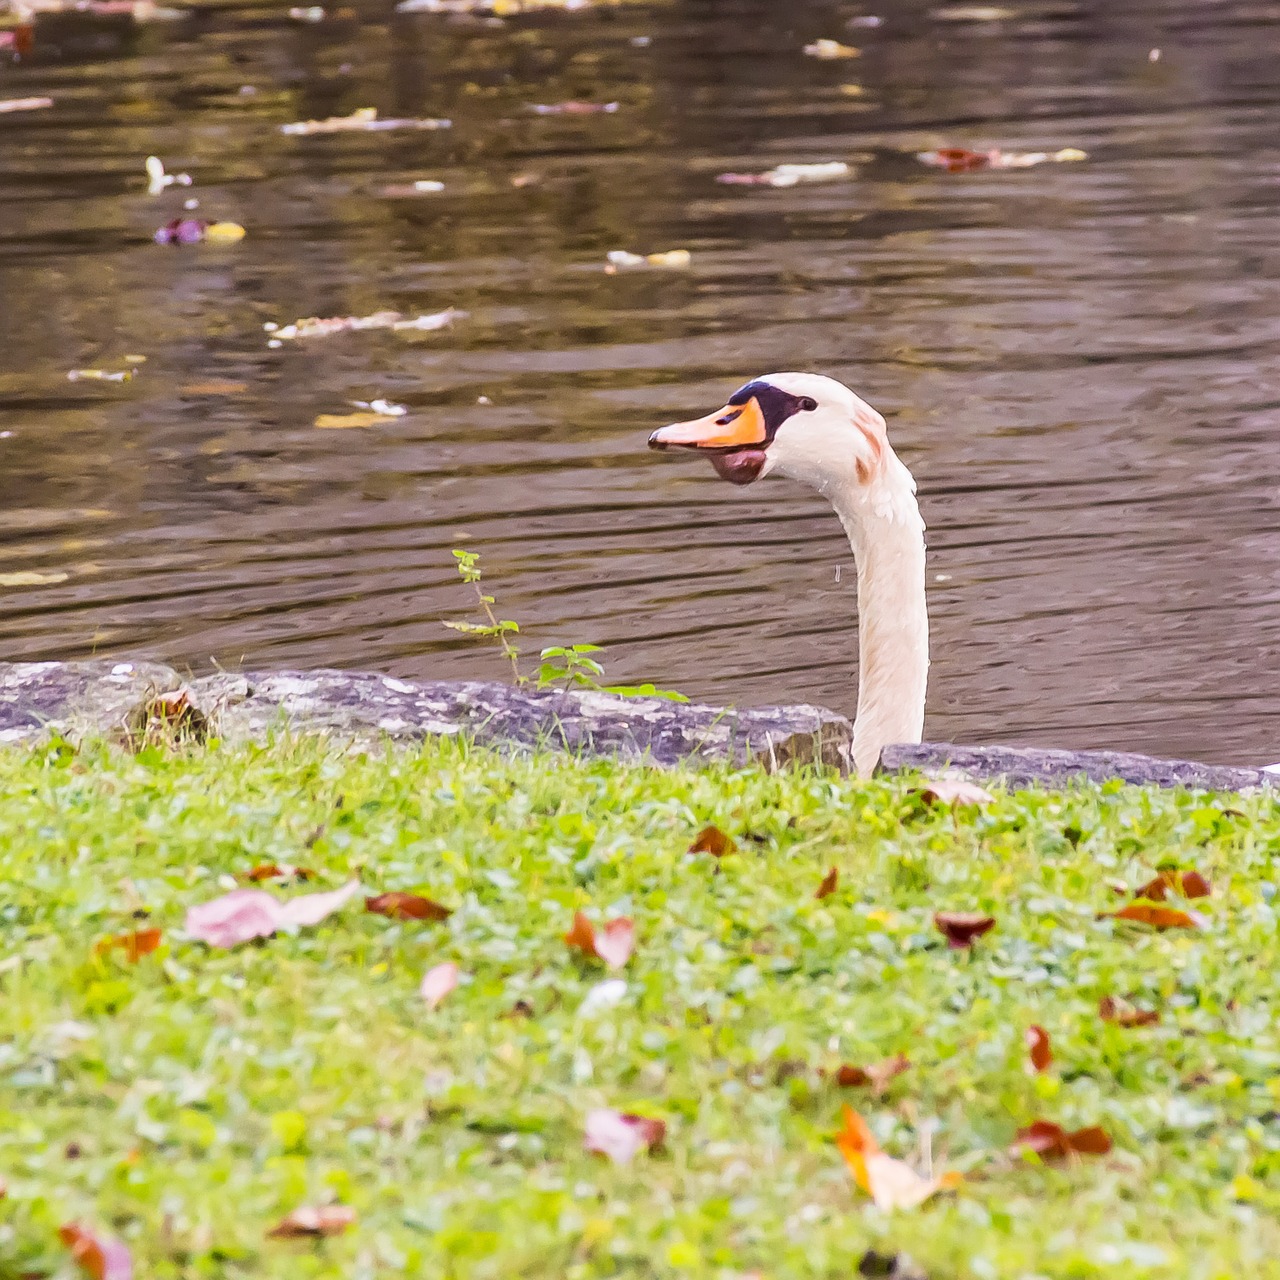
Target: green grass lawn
(186, 1102)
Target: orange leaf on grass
(613, 944)
(892, 1184)
(828, 885)
(1155, 915)
(406, 906)
(877, 1075)
(98, 1256)
(142, 942)
(1037, 1040)
(962, 928)
(1124, 1014)
(1052, 1142)
(1188, 884)
(277, 871)
(713, 841)
(327, 1220)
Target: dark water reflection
(1078, 361)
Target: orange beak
(736, 426)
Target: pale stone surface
(79, 698)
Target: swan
(813, 429)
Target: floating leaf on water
(621, 1135)
(406, 906)
(963, 160)
(341, 421)
(1123, 1014)
(315, 327)
(363, 119)
(1052, 1142)
(438, 982)
(142, 942)
(971, 13)
(214, 387)
(572, 108)
(223, 233)
(97, 1256)
(892, 1184)
(1038, 1048)
(713, 841)
(962, 928)
(424, 186)
(498, 8)
(24, 104)
(328, 1220)
(32, 578)
(101, 375)
(831, 49)
(158, 180)
(789, 175)
(613, 943)
(384, 407)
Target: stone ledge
(103, 698)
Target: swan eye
(808, 404)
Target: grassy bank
(186, 1102)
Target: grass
(186, 1102)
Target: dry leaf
(573, 108)
(621, 1135)
(828, 885)
(32, 578)
(1052, 1142)
(362, 120)
(98, 1256)
(277, 871)
(1124, 1014)
(962, 160)
(328, 1220)
(961, 928)
(878, 1075)
(1037, 1040)
(613, 944)
(341, 421)
(1156, 916)
(406, 906)
(141, 942)
(245, 914)
(713, 841)
(892, 1184)
(954, 791)
(438, 982)
(213, 387)
(1187, 884)
(24, 104)
(829, 49)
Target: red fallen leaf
(877, 1075)
(713, 841)
(1125, 1015)
(620, 1135)
(954, 791)
(1189, 884)
(98, 1256)
(956, 159)
(406, 906)
(828, 885)
(142, 942)
(1037, 1039)
(1052, 1142)
(961, 928)
(1156, 916)
(613, 944)
(277, 871)
(327, 1220)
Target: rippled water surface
(1077, 360)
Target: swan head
(802, 425)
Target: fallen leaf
(961, 928)
(963, 160)
(315, 327)
(954, 791)
(30, 578)
(1124, 1014)
(616, 258)
(1037, 1041)
(328, 1220)
(438, 982)
(244, 914)
(713, 841)
(362, 120)
(1187, 884)
(98, 1256)
(1052, 1142)
(142, 942)
(24, 104)
(572, 108)
(277, 871)
(101, 375)
(788, 175)
(406, 906)
(828, 885)
(878, 1075)
(214, 387)
(892, 1184)
(613, 944)
(340, 421)
(223, 233)
(1156, 916)
(829, 49)
(621, 1135)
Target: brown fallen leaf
(1052, 1142)
(98, 1256)
(1037, 1041)
(613, 944)
(1158, 917)
(341, 421)
(1187, 884)
(1124, 1014)
(620, 1135)
(961, 928)
(892, 1184)
(327, 1220)
(142, 942)
(406, 906)
(277, 871)
(213, 387)
(713, 841)
(963, 160)
(878, 1075)
(954, 791)
(829, 883)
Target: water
(1077, 360)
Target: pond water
(1077, 359)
